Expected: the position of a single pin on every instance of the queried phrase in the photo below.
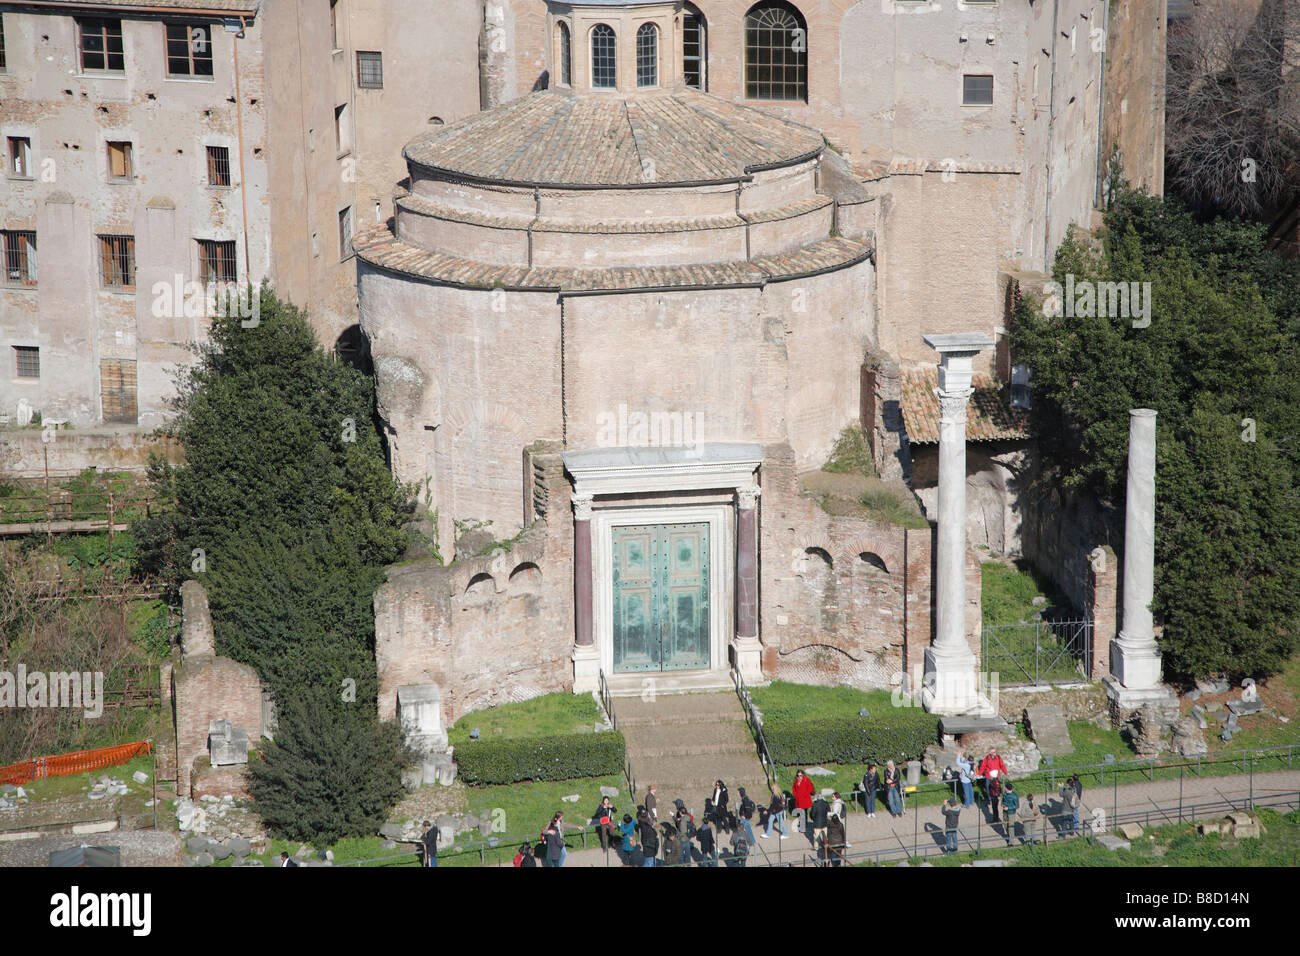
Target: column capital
(952, 405)
(582, 507)
(747, 496)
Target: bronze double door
(661, 597)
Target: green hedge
(898, 736)
(556, 757)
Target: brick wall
(214, 688)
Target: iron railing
(1041, 652)
(607, 702)
(755, 724)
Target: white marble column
(1134, 656)
(951, 683)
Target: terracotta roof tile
(556, 138)
(380, 248)
(988, 416)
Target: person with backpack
(951, 817)
(430, 844)
(992, 769)
(1070, 802)
(708, 847)
(525, 855)
(747, 810)
(776, 813)
(685, 830)
(1010, 806)
(672, 844)
(870, 785)
(628, 829)
(893, 789)
(740, 844)
(803, 798)
(836, 843)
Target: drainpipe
(239, 129)
(1101, 98)
(1051, 128)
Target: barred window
(117, 262)
(20, 257)
(119, 161)
(216, 261)
(370, 71)
(647, 55)
(565, 53)
(694, 48)
(776, 53)
(101, 46)
(603, 73)
(27, 361)
(218, 166)
(976, 90)
(189, 49)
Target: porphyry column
(950, 678)
(586, 658)
(747, 650)
(1134, 656)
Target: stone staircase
(682, 743)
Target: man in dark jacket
(430, 843)
(649, 838)
(836, 839)
(708, 848)
(672, 844)
(818, 814)
(870, 785)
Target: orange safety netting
(79, 761)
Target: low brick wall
(24, 452)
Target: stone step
(700, 770)
(676, 707)
(1047, 727)
(688, 737)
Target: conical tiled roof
(560, 139)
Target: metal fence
(607, 701)
(755, 724)
(1041, 652)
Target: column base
(1135, 668)
(1125, 700)
(951, 686)
(748, 654)
(586, 669)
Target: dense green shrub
(898, 736)
(557, 757)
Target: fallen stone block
(140, 777)
(196, 844)
(610, 792)
(1131, 830)
(1112, 842)
(220, 851)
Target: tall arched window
(564, 54)
(647, 55)
(776, 52)
(695, 48)
(604, 76)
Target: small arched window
(565, 53)
(647, 55)
(604, 75)
(776, 52)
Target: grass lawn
(1173, 845)
(550, 714)
(1007, 594)
(784, 701)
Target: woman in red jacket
(803, 798)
